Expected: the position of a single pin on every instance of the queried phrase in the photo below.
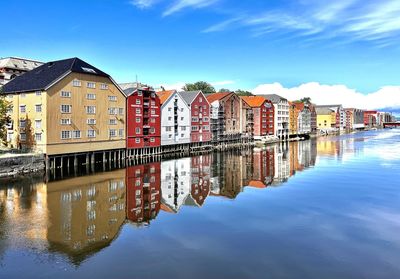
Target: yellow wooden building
(326, 119)
(65, 107)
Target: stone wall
(21, 164)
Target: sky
(343, 51)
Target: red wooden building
(200, 177)
(370, 118)
(143, 123)
(143, 192)
(200, 116)
(263, 114)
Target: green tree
(205, 87)
(5, 118)
(306, 100)
(223, 90)
(240, 92)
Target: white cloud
(179, 5)
(143, 4)
(352, 20)
(385, 97)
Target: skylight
(89, 70)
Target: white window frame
(91, 85)
(65, 94)
(66, 133)
(91, 96)
(65, 106)
(67, 121)
(91, 133)
(76, 83)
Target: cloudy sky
(343, 51)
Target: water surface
(326, 208)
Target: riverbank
(12, 165)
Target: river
(325, 208)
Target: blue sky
(234, 44)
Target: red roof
(217, 96)
(164, 95)
(254, 101)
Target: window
(22, 123)
(182, 118)
(91, 121)
(138, 111)
(139, 93)
(38, 124)
(121, 111)
(168, 129)
(183, 128)
(38, 93)
(23, 137)
(76, 134)
(10, 96)
(182, 135)
(137, 101)
(112, 111)
(137, 119)
(169, 118)
(195, 128)
(76, 83)
(152, 130)
(38, 137)
(65, 94)
(91, 96)
(153, 111)
(153, 103)
(112, 98)
(38, 108)
(169, 109)
(195, 119)
(121, 132)
(91, 85)
(112, 121)
(137, 131)
(206, 128)
(112, 133)
(137, 140)
(91, 109)
(66, 108)
(103, 86)
(23, 95)
(152, 140)
(65, 134)
(152, 120)
(22, 109)
(91, 133)
(200, 100)
(205, 119)
(65, 121)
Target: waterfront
(325, 208)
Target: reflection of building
(143, 192)
(263, 168)
(85, 213)
(282, 163)
(175, 183)
(200, 178)
(11, 67)
(226, 174)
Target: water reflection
(78, 217)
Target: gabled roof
(299, 105)
(274, 98)
(329, 106)
(324, 111)
(130, 90)
(254, 101)
(217, 96)
(22, 64)
(189, 96)
(46, 75)
(165, 95)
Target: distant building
(281, 107)
(370, 118)
(263, 113)
(246, 121)
(11, 67)
(300, 118)
(340, 115)
(326, 119)
(175, 118)
(200, 116)
(66, 107)
(225, 116)
(354, 119)
(314, 125)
